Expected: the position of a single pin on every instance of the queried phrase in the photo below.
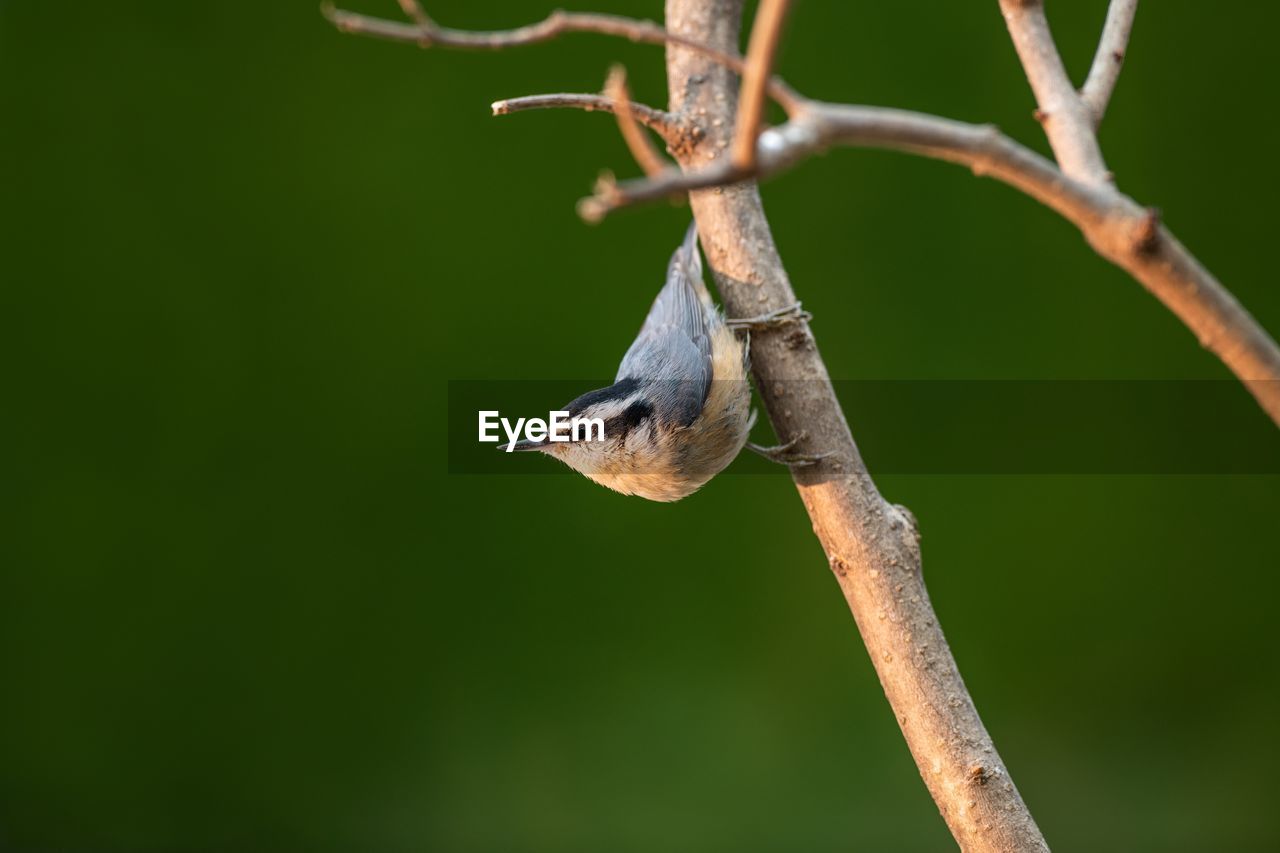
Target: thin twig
(424, 32)
(641, 145)
(663, 123)
(1107, 62)
(820, 125)
(766, 33)
(413, 11)
(1067, 121)
(609, 195)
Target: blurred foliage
(244, 607)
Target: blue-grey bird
(679, 410)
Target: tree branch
(1107, 62)
(1148, 252)
(1067, 121)
(818, 126)
(641, 146)
(663, 123)
(766, 32)
(413, 11)
(870, 544)
(424, 32)
(1118, 228)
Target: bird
(679, 409)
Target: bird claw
(781, 317)
(784, 454)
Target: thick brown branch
(424, 32)
(1067, 121)
(870, 544)
(766, 32)
(1112, 47)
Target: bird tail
(688, 262)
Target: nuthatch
(679, 410)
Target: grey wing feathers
(673, 348)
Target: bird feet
(785, 454)
(781, 317)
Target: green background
(244, 607)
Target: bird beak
(525, 444)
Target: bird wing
(673, 348)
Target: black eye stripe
(631, 417)
(617, 391)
